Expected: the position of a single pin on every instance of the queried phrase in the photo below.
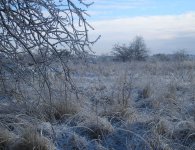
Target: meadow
(146, 105)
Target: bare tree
(28, 26)
(136, 50)
(40, 29)
(121, 52)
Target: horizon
(165, 26)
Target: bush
(180, 55)
(136, 50)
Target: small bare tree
(136, 50)
(121, 52)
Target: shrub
(136, 50)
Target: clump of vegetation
(155, 110)
(6, 138)
(95, 127)
(30, 139)
(136, 50)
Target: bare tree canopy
(136, 50)
(34, 25)
(33, 32)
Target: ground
(115, 106)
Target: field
(147, 105)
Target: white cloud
(152, 28)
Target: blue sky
(166, 25)
(112, 9)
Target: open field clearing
(115, 105)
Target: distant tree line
(137, 50)
(180, 55)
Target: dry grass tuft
(62, 109)
(172, 89)
(163, 127)
(184, 132)
(121, 112)
(146, 93)
(75, 142)
(98, 127)
(55, 111)
(6, 138)
(31, 140)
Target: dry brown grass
(55, 111)
(31, 140)
(96, 126)
(122, 92)
(6, 138)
